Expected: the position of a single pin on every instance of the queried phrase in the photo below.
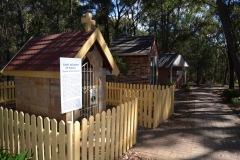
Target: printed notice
(71, 84)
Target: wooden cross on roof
(88, 22)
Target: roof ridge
(167, 59)
(64, 33)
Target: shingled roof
(167, 60)
(129, 45)
(43, 53)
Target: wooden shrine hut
(36, 71)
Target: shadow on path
(202, 127)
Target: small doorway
(153, 70)
(89, 91)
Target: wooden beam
(97, 36)
(37, 74)
(171, 74)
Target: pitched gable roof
(167, 60)
(137, 45)
(42, 54)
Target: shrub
(228, 94)
(235, 101)
(186, 87)
(236, 81)
(4, 155)
(79, 119)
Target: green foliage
(110, 107)
(229, 94)
(79, 119)
(121, 63)
(186, 87)
(236, 81)
(171, 84)
(235, 101)
(4, 155)
(192, 30)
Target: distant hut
(138, 55)
(172, 69)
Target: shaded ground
(203, 127)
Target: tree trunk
(227, 28)
(21, 24)
(231, 73)
(198, 75)
(226, 74)
(231, 70)
(106, 32)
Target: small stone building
(138, 56)
(172, 69)
(36, 70)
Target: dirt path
(201, 128)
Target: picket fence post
(107, 136)
(155, 102)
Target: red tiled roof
(43, 53)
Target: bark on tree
(21, 24)
(227, 28)
(225, 74)
(231, 73)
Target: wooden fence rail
(107, 136)
(155, 102)
(7, 92)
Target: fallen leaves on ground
(132, 155)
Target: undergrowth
(5, 155)
(232, 96)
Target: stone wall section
(39, 96)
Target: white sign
(71, 84)
(93, 96)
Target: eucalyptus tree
(126, 14)
(22, 19)
(225, 15)
(228, 15)
(12, 29)
(112, 15)
(48, 17)
(102, 9)
(171, 21)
